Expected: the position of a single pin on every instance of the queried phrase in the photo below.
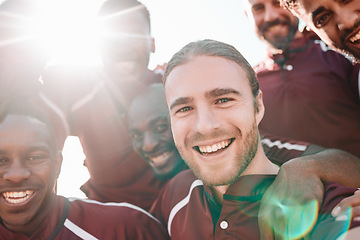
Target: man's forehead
(134, 22)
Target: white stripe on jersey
(182, 204)
(78, 231)
(122, 204)
(281, 145)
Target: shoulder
(92, 207)
(176, 194)
(279, 149)
(184, 182)
(122, 220)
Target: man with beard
(336, 23)
(30, 163)
(96, 105)
(215, 108)
(310, 92)
(149, 129)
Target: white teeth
(160, 158)
(355, 38)
(214, 147)
(17, 197)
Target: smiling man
(336, 22)
(149, 129)
(30, 162)
(310, 92)
(215, 108)
(96, 101)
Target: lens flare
(293, 220)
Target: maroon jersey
(96, 112)
(190, 212)
(311, 93)
(280, 150)
(87, 219)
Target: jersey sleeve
(279, 149)
(327, 226)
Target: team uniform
(311, 93)
(87, 219)
(190, 211)
(98, 118)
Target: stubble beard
(221, 175)
(281, 43)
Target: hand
(290, 205)
(352, 202)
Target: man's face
(272, 23)
(150, 131)
(29, 167)
(213, 118)
(126, 46)
(337, 23)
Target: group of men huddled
(210, 149)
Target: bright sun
(68, 31)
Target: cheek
(178, 129)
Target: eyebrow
(317, 12)
(217, 92)
(180, 101)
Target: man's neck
(218, 193)
(260, 165)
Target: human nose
(150, 142)
(206, 121)
(17, 172)
(271, 13)
(346, 19)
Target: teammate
(310, 92)
(214, 114)
(21, 59)
(336, 23)
(29, 209)
(149, 129)
(97, 110)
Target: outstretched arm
(300, 181)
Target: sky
(67, 27)
(178, 22)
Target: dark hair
(112, 7)
(209, 47)
(38, 109)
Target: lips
(160, 159)
(213, 148)
(355, 37)
(17, 197)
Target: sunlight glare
(67, 30)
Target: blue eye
(184, 109)
(223, 100)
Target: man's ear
(260, 107)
